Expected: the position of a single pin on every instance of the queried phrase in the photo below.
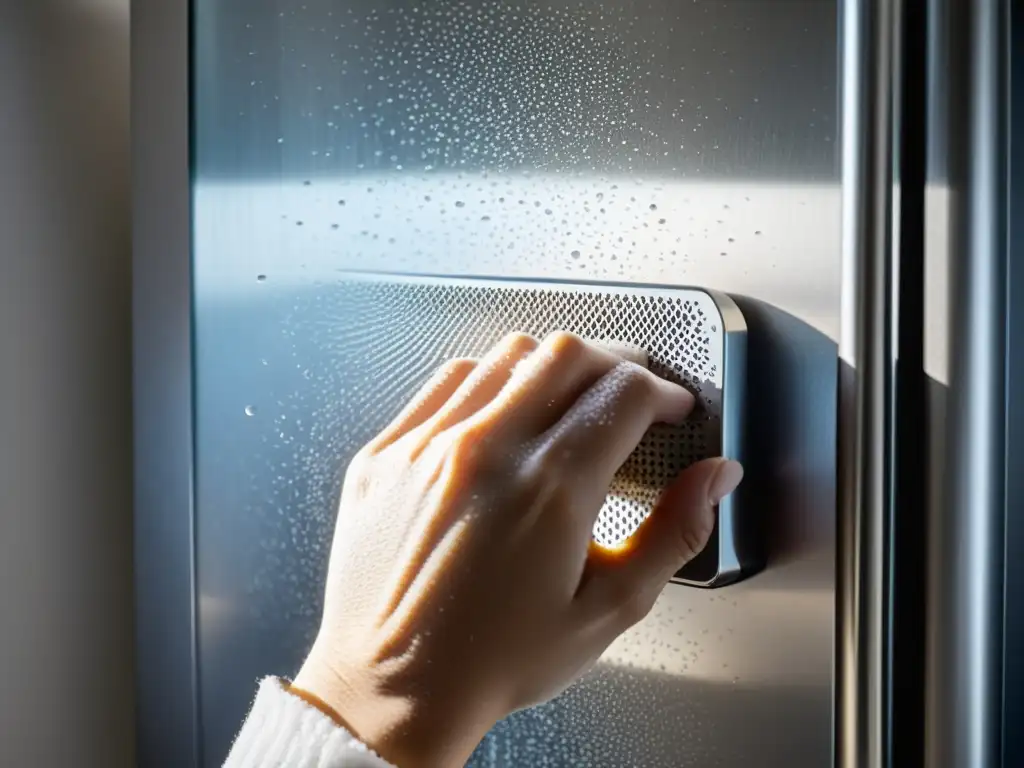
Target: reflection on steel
(963, 711)
(869, 36)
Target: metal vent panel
(394, 331)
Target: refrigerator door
(665, 143)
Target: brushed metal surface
(627, 143)
(964, 696)
(1013, 641)
(870, 32)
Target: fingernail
(727, 477)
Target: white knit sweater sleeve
(283, 731)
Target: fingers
(627, 352)
(482, 386)
(551, 380)
(603, 427)
(462, 387)
(625, 583)
(427, 401)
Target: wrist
(399, 728)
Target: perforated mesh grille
(395, 331)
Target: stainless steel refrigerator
(842, 172)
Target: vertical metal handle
(963, 706)
(866, 377)
(967, 61)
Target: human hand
(464, 583)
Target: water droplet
(261, 278)
(341, 202)
(250, 410)
(459, 204)
(653, 207)
(575, 254)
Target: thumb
(672, 535)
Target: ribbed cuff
(284, 729)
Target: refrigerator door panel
(626, 144)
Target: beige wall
(65, 430)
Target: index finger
(605, 425)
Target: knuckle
(516, 341)
(634, 382)
(692, 536)
(567, 346)
(464, 452)
(636, 378)
(455, 366)
(554, 462)
(544, 476)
